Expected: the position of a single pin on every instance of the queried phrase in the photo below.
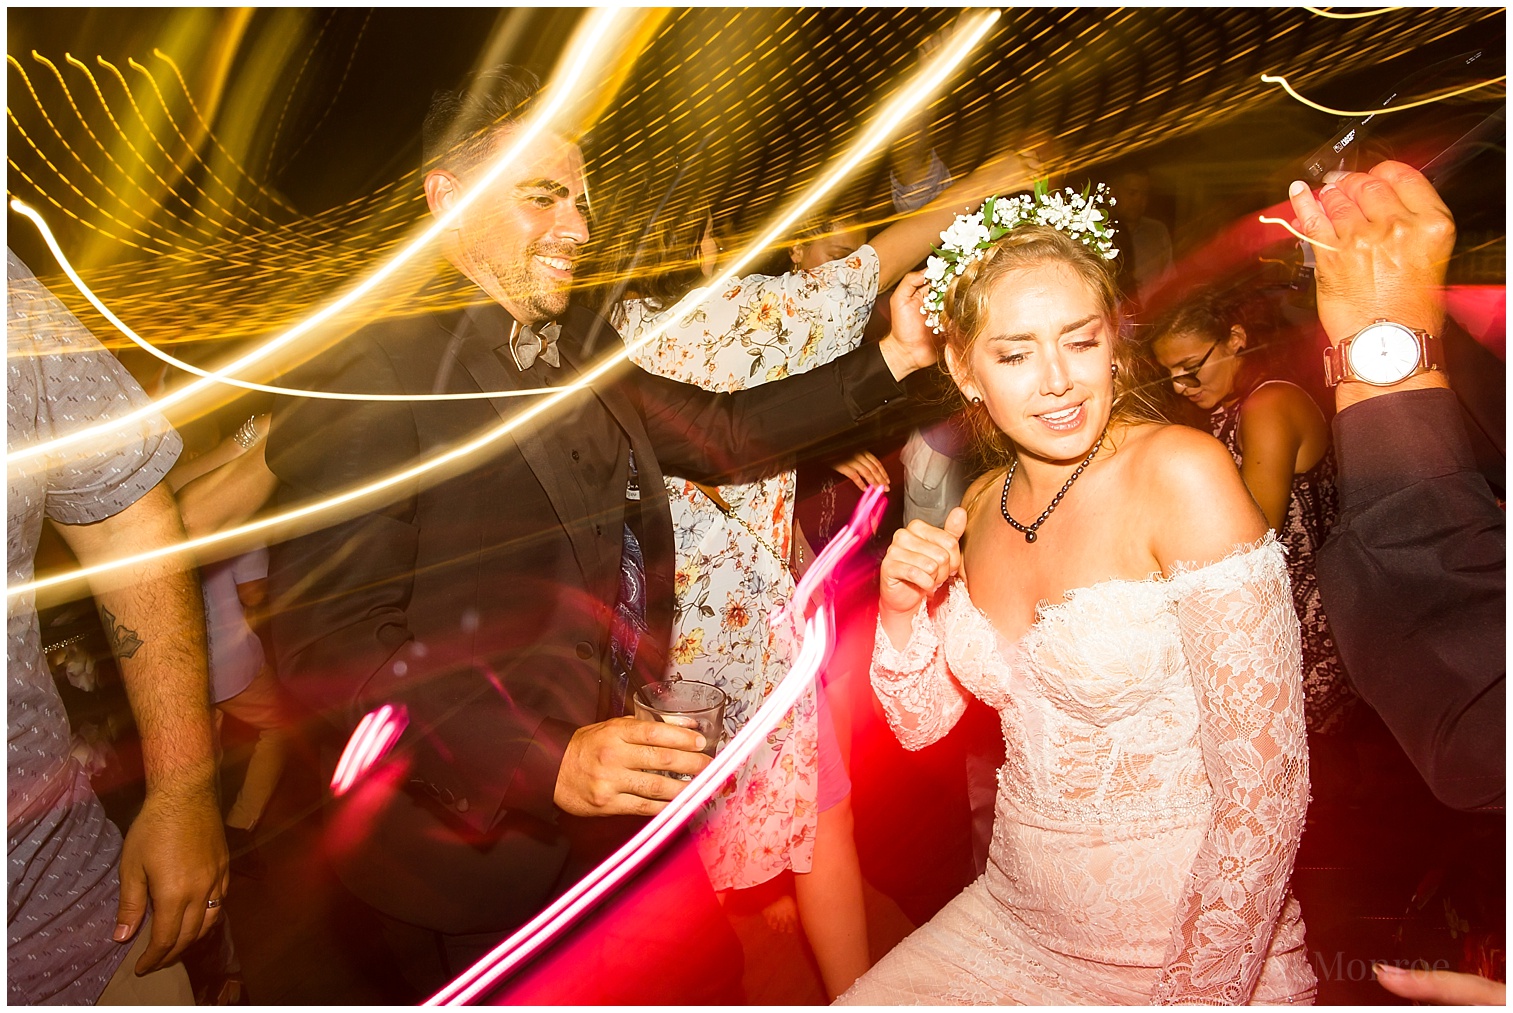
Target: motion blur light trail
(601, 30)
(371, 741)
(1430, 100)
(1268, 220)
(1321, 12)
(819, 633)
(771, 91)
(908, 98)
(94, 300)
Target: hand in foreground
(1444, 988)
(910, 345)
(1392, 238)
(863, 469)
(1005, 173)
(605, 769)
(174, 852)
(919, 561)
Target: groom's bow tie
(527, 343)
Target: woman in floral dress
(789, 807)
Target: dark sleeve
(744, 435)
(1412, 579)
(341, 632)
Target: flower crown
(970, 236)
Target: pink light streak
(375, 735)
(817, 642)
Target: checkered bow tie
(528, 343)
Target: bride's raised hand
(919, 561)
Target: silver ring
(213, 902)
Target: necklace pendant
(1029, 536)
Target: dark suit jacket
(1414, 580)
(482, 600)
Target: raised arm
(1413, 575)
(750, 433)
(920, 698)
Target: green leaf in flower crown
(987, 209)
(1042, 187)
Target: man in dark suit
(510, 606)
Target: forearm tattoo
(123, 642)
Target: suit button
(575, 455)
(462, 805)
(585, 650)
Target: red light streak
(817, 642)
(375, 735)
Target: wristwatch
(1382, 353)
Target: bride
(1113, 592)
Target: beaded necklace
(1003, 504)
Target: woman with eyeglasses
(1213, 346)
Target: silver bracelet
(247, 435)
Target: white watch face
(1384, 353)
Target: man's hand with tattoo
(175, 851)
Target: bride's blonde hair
(964, 317)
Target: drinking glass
(700, 702)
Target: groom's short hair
(460, 122)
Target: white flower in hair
(969, 236)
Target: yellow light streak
(1321, 12)
(1267, 220)
(1310, 103)
(925, 83)
(299, 264)
(585, 54)
(31, 215)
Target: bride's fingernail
(1388, 970)
(1298, 187)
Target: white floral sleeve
(1240, 636)
(759, 328)
(919, 696)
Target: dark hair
(459, 123)
(965, 316)
(1210, 312)
(669, 265)
(816, 226)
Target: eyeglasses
(1189, 379)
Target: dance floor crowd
(1168, 669)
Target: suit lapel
(539, 445)
(658, 548)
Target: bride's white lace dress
(1150, 806)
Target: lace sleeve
(918, 695)
(1240, 636)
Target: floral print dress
(733, 569)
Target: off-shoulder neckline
(1045, 608)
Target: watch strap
(1431, 356)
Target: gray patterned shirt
(61, 851)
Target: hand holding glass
(690, 704)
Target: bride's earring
(977, 400)
(1115, 370)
